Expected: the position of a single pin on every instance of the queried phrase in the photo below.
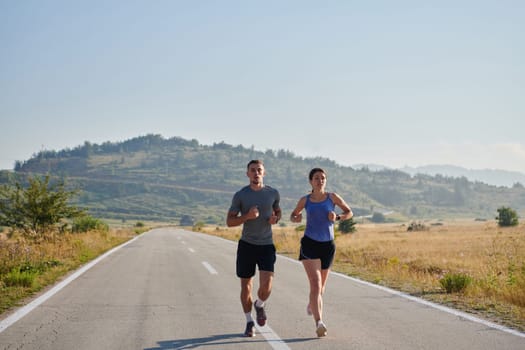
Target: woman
(317, 245)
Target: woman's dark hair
(315, 170)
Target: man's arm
(276, 216)
(234, 219)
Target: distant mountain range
(495, 177)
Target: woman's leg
(324, 278)
(313, 271)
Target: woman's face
(318, 180)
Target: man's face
(255, 173)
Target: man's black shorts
(250, 255)
(311, 249)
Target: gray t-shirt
(257, 231)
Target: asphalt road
(174, 289)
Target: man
(256, 207)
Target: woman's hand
(296, 218)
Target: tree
(507, 217)
(186, 220)
(37, 209)
(347, 226)
(378, 217)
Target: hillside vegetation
(153, 178)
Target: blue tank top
(318, 227)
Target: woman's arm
(340, 202)
(296, 215)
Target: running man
(256, 207)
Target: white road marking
(425, 302)
(7, 322)
(209, 268)
(271, 337)
(436, 306)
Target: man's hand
(253, 213)
(273, 219)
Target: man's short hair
(254, 161)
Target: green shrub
(378, 217)
(347, 226)
(20, 278)
(455, 282)
(88, 223)
(507, 217)
(198, 226)
(417, 226)
(38, 209)
(300, 228)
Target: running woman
(317, 244)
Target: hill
(496, 177)
(490, 176)
(153, 178)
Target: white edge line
(24, 310)
(412, 298)
(427, 303)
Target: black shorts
(312, 249)
(251, 255)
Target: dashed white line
(272, 338)
(209, 268)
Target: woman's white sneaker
(321, 329)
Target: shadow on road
(214, 340)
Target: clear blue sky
(387, 82)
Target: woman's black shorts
(312, 249)
(250, 255)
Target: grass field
(487, 261)
(26, 266)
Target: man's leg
(265, 285)
(246, 294)
(263, 293)
(246, 302)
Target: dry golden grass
(415, 262)
(47, 261)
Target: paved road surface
(174, 289)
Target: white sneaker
(321, 329)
